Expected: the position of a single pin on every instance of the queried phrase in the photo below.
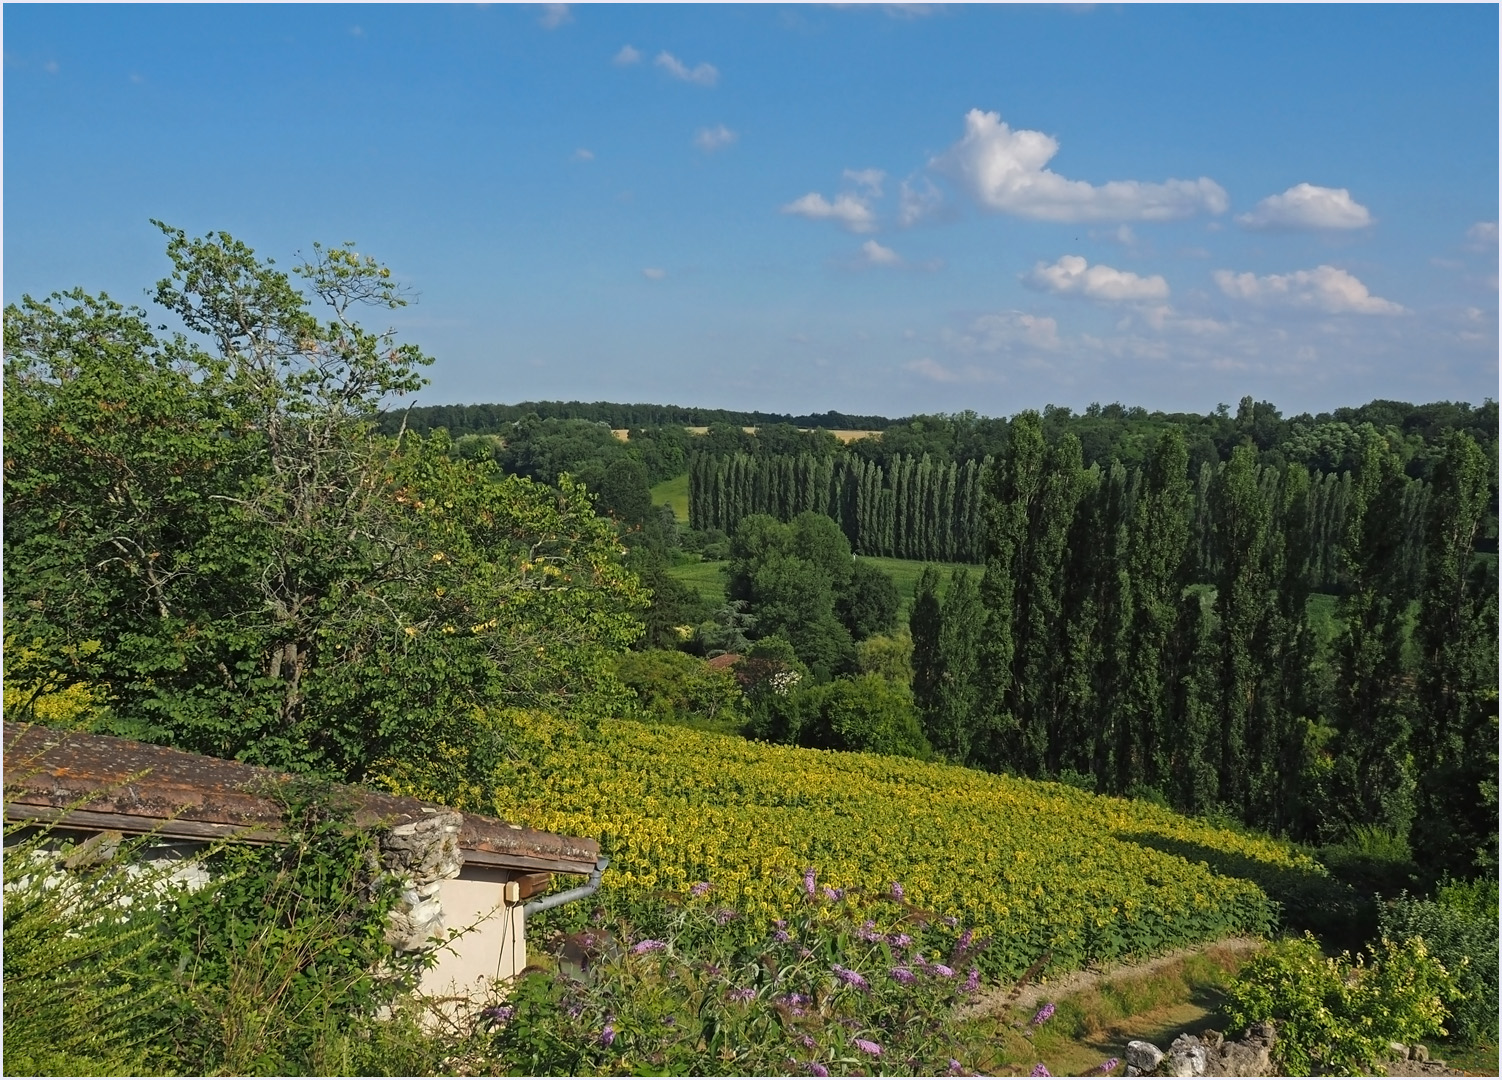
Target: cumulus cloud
(1006, 331)
(1073, 276)
(1003, 169)
(653, 273)
(930, 368)
(716, 138)
(700, 74)
(1325, 289)
(627, 55)
(870, 179)
(851, 211)
(873, 254)
(582, 154)
(1305, 206)
(914, 204)
(1482, 235)
(554, 15)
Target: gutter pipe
(568, 896)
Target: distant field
(709, 578)
(674, 492)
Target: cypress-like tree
(1454, 739)
(1154, 577)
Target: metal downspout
(568, 896)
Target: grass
(674, 492)
(1096, 1023)
(708, 578)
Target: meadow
(708, 578)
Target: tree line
(922, 509)
(1087, 649)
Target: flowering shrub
(823, 993)
(1336, 1015)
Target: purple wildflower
(955, 1066)
(965, 939)
(808, 1042)
(647, 945)
(815, 1069)
(866, 1046)
(809, 878)
(743, 995)
(831, 893)
(499, 1013)
(903, 975)
(607, 1033)
(1042, 1015)
(712, 970)
(942, 970)
(794, 1004)
(804, 954)
(724, 915)
(700, 889)
(1108, 1066)
(851, 978)
(897, 890)
(782, 937)
(972, 981)
(1040, 1069)
(951, 922)
(867, 932)
(899, 941)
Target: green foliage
(1336, 1016)
(675, 687)
(278, 966)
(1459, 928)
(78, 1001)
(823, 991)
(263, 576)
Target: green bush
(1459, 928)
(1336, 1015)
(278, 966)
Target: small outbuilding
(459, 870)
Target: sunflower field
(1043, 869)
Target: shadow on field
(1309, 899)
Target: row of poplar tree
(1087, 648)
(920, 508)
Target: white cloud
(914, 205)
(1073, 276)
(873, 254)
(701, 74)
(1325, 289)
(930, 368)
(1482, 235)
(716, 138)
(582, 154)
(627, 55)
(1004, 170)
(1006, 330)
(1305, 206)
(554, 15)
(851, 211)
(653, 273)
(870, 179)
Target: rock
(1143, 1056)
(1131, 1070)
(1187, 1056)
(1418, 1052)
(1250, 1055)
(426, 849)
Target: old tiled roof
(100, 782)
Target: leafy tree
(265, 576)
(868, 603)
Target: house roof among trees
(87, 781)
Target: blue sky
(870, 208)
